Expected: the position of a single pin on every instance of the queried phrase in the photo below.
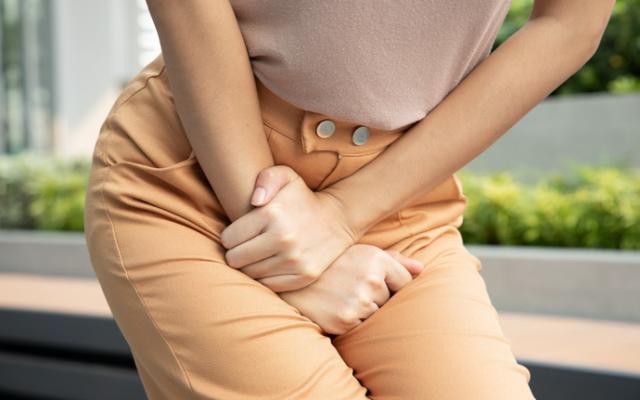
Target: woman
(273, 212)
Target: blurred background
(553, 214)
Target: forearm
(215, 95)
(528, 66)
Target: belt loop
(307, 130)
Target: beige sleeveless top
(380, 63)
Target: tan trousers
(199, 329)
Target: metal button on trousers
(360, 135)
(325, 128)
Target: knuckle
(309, 274)
(364, 300)
(286, 239)
(347, 316)
(376, 281)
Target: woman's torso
(384, 63)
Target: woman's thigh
(439, 336)
(197, 328)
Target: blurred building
(63, 62)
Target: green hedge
(588, 207)
(38, 192)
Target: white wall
(594, 129)
(98, 46)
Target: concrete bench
(58, 339)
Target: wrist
(355, 229)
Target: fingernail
(258, 196)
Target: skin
(221, 115)
(215, 95)
(352, 289)
(354, 286)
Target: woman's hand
(359, 282)
(287, 243)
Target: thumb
(270, 181)
(411, 264)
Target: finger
(270, 266)
(269, 182)
(284, 283)
(244, 228)
(396, 275)
(348, 318)
(366, 306)
(253, 250)
(413, 265)
(378, 289)
(373, 307)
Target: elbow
(582, 24)
(583, 40)
(592, 36)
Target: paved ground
(550, 339)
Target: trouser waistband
(303, 125)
